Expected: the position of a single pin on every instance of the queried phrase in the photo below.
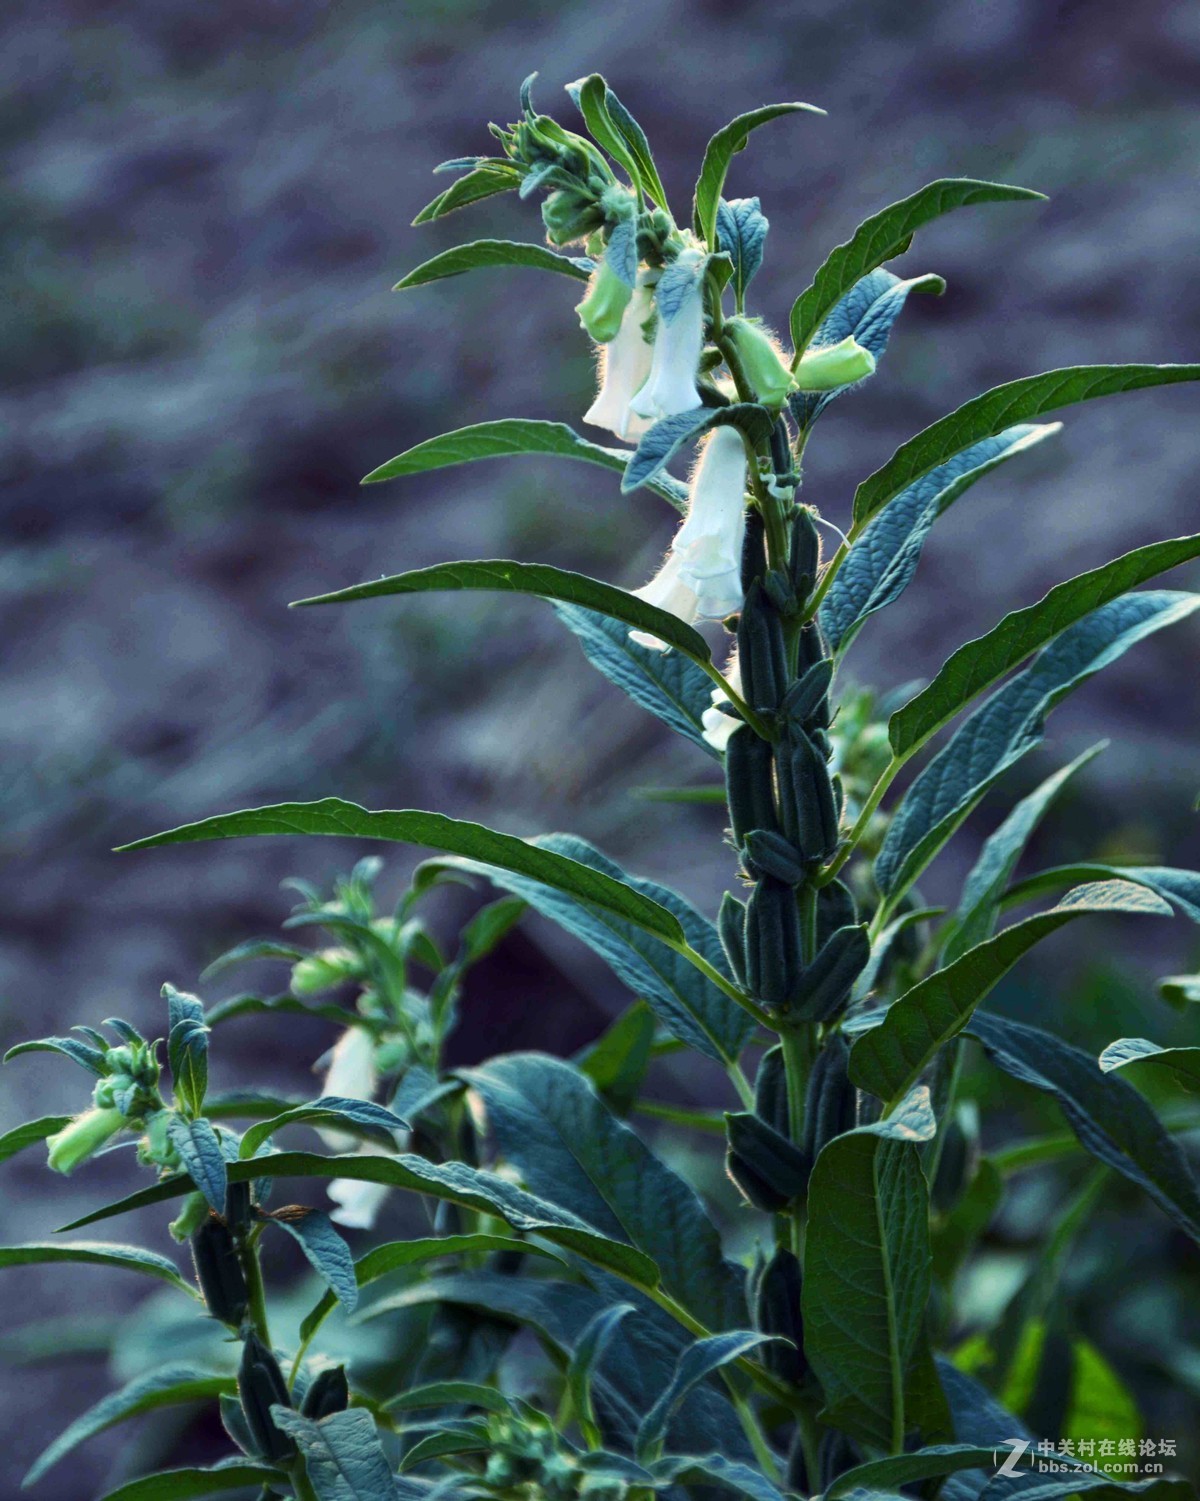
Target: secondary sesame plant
(831, 1359)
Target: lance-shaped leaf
(883, 560)
(197, 1480)
(200, 1152)
(1110, 1118)
(187, 1048)
(867, 1280)
(720, 151)
(1183, 1062)
(898, 1470)
(982, 662)
(664, 440)
(688, 1003)
(549, 1123)
(982, 890)
(742, 235)
(30, 1134)
(695, 1365)
(82, 1053)
(484, 182)
(167, 1385)
(889, 1058)
(483, 253)
(359, 1117)
(1096, 1484)
(1179, 887)
(615, 130)
(865, 314)
(883, 236)
(539, 580)
(96, 1253)
(746, 1481)
(581, 1368)
(507, 438)
(435, 831)
(667, 683)
(453, 1181)
(1008, 725)
(326, 1251)
(397, 1254)
(343, 1457)
(1018, 401)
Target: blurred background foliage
(203, 209)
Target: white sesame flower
(358, 1203)
(718, 726)
(678, 341)
(352, 1076)
(624, 366)
(700, 578)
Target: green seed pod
(812, 646)
(731, 928)
(261, 1386)
(771, 1091)
(779, 591)
(805, 557)
(773, 963)
(766, 853)
(754, 550)
(749, 783)
(237, 1205)
(836, 908)
(776, 1310)
(807, 700)
(219, 1272)
(761, 651)
(830, 977)
(830, 1106)
(329, 1392)
(775, 1171)
(807, 804)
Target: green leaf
(1110, 1118)
(614, 128)
(748, 1481)
(890, 1058)
(1183, 1062)
(742, 235)
(540, 580)
(183, 1485)
(588, 1353)
(96, 1253)
(718, 154)
(667, 683)
(695, 1365)
(664, 440)
(249, 1004)
(166, 1386)
(187, 1048)
(549, 1123)
(687, 1002)
(902, 1469)
(1017, 401)
(883, 236)
(882, 562)
(450, 1394)
(359, 1117)
(981, 662)
(70, 1047)
(982, 890)
(481, 253)
(30, 1134)
(397, 1254)
(343, 1457)
(507, 438)
(435, 831)
(867, 1280)
(200, 1152)
(453, 1181)
(483, 182)
(1008, 725)
(327, 1252)
(618, 1060)
(1179, 887)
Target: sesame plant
(575, 1319)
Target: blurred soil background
(204, 208)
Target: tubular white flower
(678, 341)
(700, 578)
(624, 366)
(718, 726)
(351, 1075)
(358, 1203)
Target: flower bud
(571, 214)
(83, 1138)
(325, 971)
(351, 1076)
(189, 1219)
(761, 361)
(834, 365)
(603, 309)
(624, 366)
